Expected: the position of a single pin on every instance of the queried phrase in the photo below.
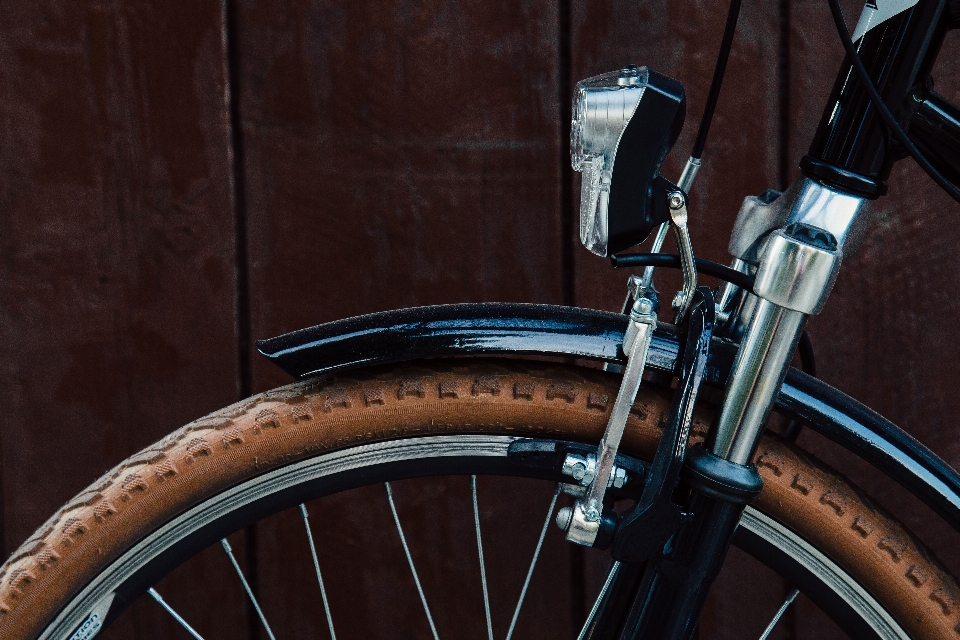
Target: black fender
(548, 330)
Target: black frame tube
(852, 149)
(935, 129)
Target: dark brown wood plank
(117, 257)
(397, 155)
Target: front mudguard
(457, 330)
(548, 330)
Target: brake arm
(586, 519)
(643, 531)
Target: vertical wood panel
(397, 154)
(116, 258)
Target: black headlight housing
(624, 124)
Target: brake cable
(881, 106)
(692, 167)
(733, 16)
(693, 162)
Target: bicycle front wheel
(319, 437)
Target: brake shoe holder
(646, 532)
(589, 523)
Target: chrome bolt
(579, 470)
(675, 200)
(564, 516)
(643, 307)
(591, 514)
(619, 478)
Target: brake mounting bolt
(643, 306)
(579, 470)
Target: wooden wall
(180, 178)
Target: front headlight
(618, 162)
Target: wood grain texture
(391, 154)
(397, 155)
(116, 260)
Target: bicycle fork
(794, 245)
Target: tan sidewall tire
(441, 398)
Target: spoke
(533, 563)
(256, 605)
(316, 565)
(406, 550)
(176, 616)
(596, 605)
(783, 609)
(483, 570)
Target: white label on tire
(94, 622)
(89, 628)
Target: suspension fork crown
(584, 521)
(796, 242)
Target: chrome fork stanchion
(755, 378)
(797, 264)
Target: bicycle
(480, 396)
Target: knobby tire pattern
(506, 397)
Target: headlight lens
(602, 108)
(622, 128)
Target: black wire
(706, 267)
(881, 107)
(732, 16)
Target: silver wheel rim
(93, 602)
